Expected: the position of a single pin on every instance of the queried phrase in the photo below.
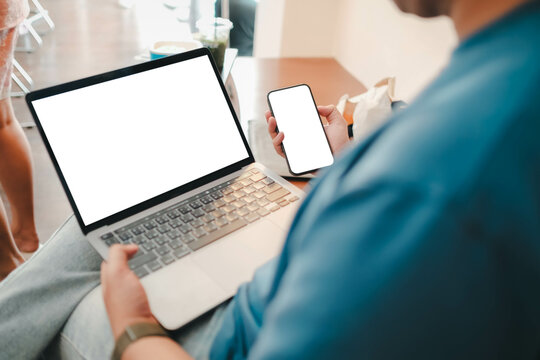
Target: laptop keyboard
(175, 232)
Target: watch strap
(133, 333)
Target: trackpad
(234, 259)
(180, 292)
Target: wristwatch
(133, 333)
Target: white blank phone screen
(305, 143)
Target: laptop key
(253, 207)
(218, 213)
(184, 209)
(173, 214)
(263, 212)
(188, 238)
(271, 188)
(283, 202)
(174, 234)
(229, 208)
(252, 217)
(216, 195)
(207, 218)
(107, 236)
(237, 186)
(150, 225)
(161, 239)
(258, 186)
(137, 230)
(163, 228)
(209, 208)
(232, 216)
(176, 223)
(197, 223)
(278, 194)
(263, 202)
(149, 246)
(187, 218)
(185, 228)
(198, 213)
(151, 234)
(112, 241)
(162, 250)
(180, 252)
(206, 199)
(222, 221)
(243, 212)
(227, 190)
(154, 265)
(195, 204)
(141, 272)
(210, 227)
(199, 232)
(125, 236)
(267, 181)
(219, 203)
(213, 236)
(175, 244)
(162, 219)
(246, 182)
(228, 198)
(141, 260)
(139, 239)
(257, 177)
(167, 259)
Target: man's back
(423, 241)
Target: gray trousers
(52, 306)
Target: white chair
(25, 89)
(36, 14)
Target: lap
(37, 298)
(87, 333)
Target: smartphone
(305, 145)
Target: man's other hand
(125, 299)
(336, 130)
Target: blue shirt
(424, 240)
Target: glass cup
(214, 34)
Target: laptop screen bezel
(116, 74)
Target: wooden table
(255, 77)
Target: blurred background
(64, 40)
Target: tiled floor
(91, 36)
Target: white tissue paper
(369, 110)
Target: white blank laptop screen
(127, 140)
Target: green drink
(214, 34)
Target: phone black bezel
(320, 121)
(115, 74)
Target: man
(421, 242)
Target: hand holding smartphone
(305, 145)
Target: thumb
(120, 254)
(330, 112)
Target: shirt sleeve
(383, 273)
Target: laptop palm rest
(211, 275)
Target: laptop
(153, 154)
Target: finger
(268, 115)
(120, 254)
(330, 112)
(278, 140)
(103, 275)
(272, 127)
